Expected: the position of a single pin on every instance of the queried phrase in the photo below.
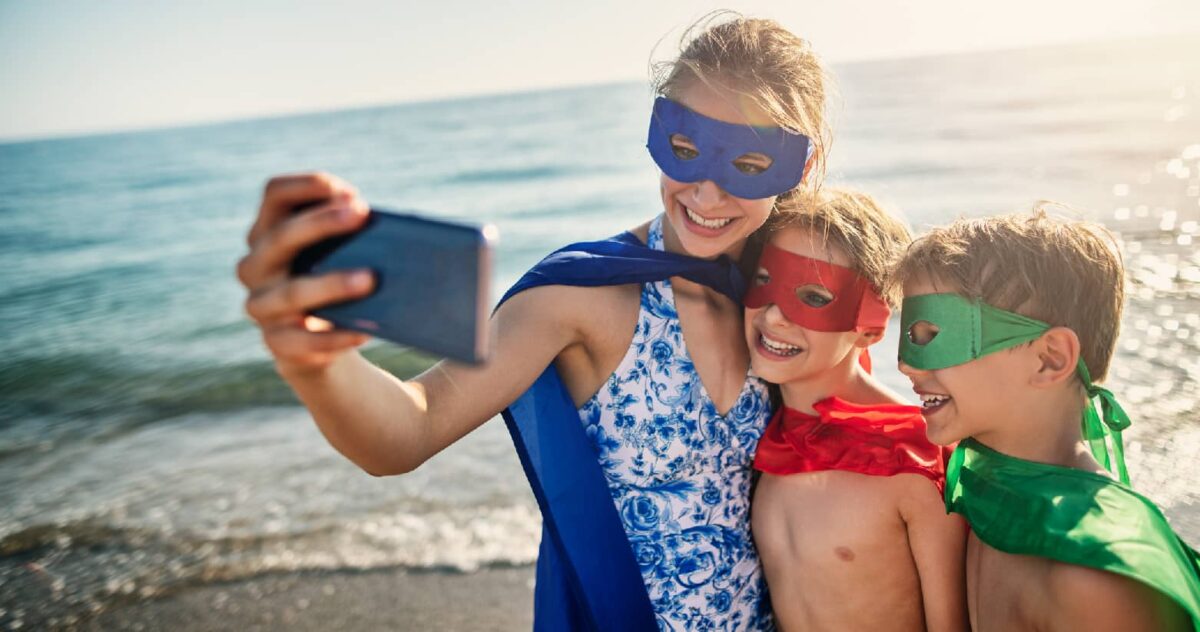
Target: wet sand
(397, 599)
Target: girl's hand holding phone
(279, 303)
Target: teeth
(933, 400)
(782, 348)
(707, 223)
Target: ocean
(147, 445)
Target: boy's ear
(868, 337)
(1057, 353)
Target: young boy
(847, 516)
(1006, 322)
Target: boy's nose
(906, 369)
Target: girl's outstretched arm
(382, 424)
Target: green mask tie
(1095, 427)
(968, 329)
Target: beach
(155, 472)
(490, 600)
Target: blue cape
(587, 577)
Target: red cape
(879, 440)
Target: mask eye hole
(762, 277)
(683, 147)
(922, 332)
(814, 295)
(752, 163)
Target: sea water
(146, 443)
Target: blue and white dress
(679, 473)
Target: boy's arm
(938, 541)
(1082, 598)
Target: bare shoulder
(922, 506)
(921, 491)
(918, 495)
(1087, 598)
(587, 312)
(642, 231)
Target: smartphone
(432, 282)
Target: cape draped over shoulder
(587, 576)
(1084, 518)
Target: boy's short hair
(1067, 273)
(856, 223)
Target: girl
(655, 372)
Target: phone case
(431, 282)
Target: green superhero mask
(1025, 508)
(968, 329)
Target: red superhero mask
(855, 305)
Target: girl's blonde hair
(760, 59)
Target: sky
(72, 66)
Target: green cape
(1072, 516)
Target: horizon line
(82, 133)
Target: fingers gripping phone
(432, 282)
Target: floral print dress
(679, 473)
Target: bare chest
(845, 529)
(828, 520)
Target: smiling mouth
(931, 402)
(777, 347)
(711, 224)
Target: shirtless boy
(848, 516)
(1006, 323)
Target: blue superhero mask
(719, 144)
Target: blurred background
(155, 472)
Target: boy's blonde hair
(853, 221)
(1067, 273)
(762, 60)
